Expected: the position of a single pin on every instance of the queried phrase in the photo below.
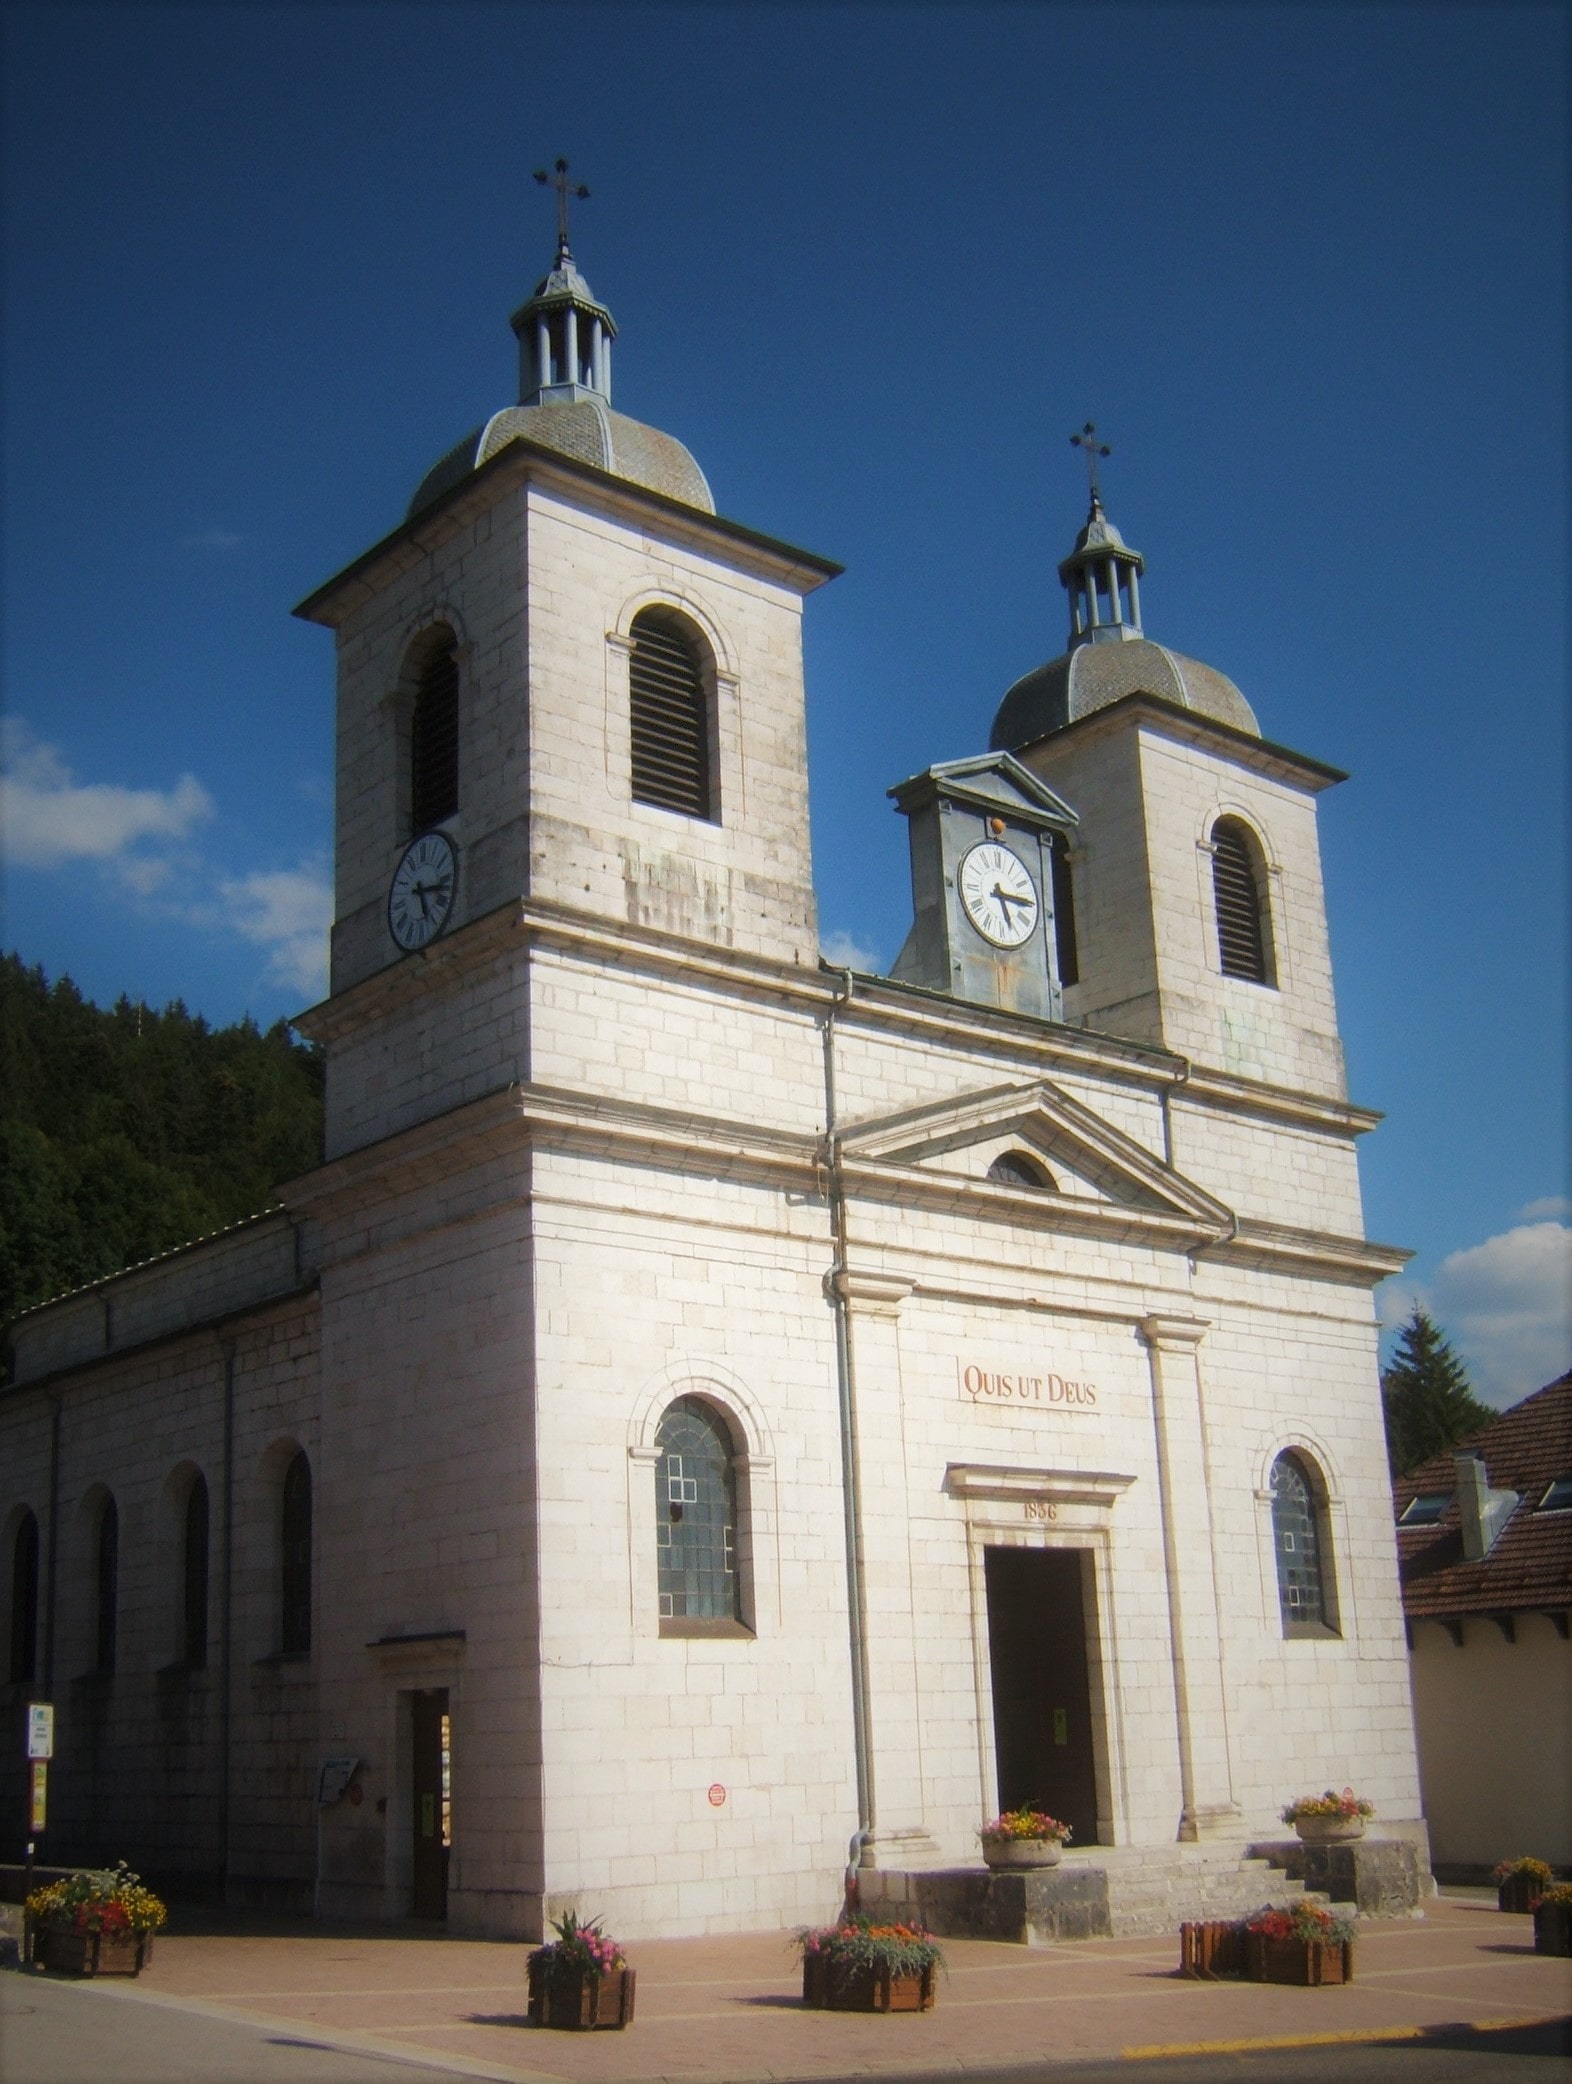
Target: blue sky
(1305, 267)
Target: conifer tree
(1426, 1397)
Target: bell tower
(1195, 870)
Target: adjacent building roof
(1529, 1566)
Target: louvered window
(670, 715)
(433, 743)
(1243, 936)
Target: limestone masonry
(713, 1419)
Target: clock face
(420, 899)
(999, 897)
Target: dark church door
(1042, 1709)
(433, 1811)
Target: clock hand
(1007, 897)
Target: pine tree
(1426, 1397)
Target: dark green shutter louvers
(669, 715)
(1241, 945)
(433, 745)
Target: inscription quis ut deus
(982, 1385)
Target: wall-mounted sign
(38, 1796)
(717, 1796)
(980, 1384)
(334, 1778)
(40, 1729)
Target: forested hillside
(125, 1132)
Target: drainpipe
(851, 1485)
(226, 1634)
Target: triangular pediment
(1089, 1163)
(994, 782)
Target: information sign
(39, 1796)
(335, 1776)
(40, 1729)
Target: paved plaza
(351, 1999)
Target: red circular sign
(717, 1795)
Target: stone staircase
(1156, 1889)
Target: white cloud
(211, 539)
(49, 818)
(1555, 1206)
(1507, 1306)
(846, 952)
(288, 912)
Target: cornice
(1279, 1248)
(1222, 1090)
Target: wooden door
(1042, 1709)
(433, 1810)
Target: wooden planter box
(1211, 1949)
(1553, 1928)
(1310, 1962)
(91, 1953)
(831, 1986)
(578, 2001)
(1518, 1891)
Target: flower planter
(1309, 1962)
(1211, 1949)
(838, 1986)
(91, 1953)
(579, 2002)
(1021, 1852)
(1553, 1928)
(1519, 1893)
(1329, 1830)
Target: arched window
(1244, 927)
(696, 1515)
(22, 1663)
(108, 1586)
(1303, 1590)
(1063, 910)
(1015, 1169)
(671, 676)
(295, 1560)
(194, 1574)
(433, 736)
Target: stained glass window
(295, 1588)
(696, 1516)
(24, 1602)
(1296, 1537)
(196, 1574)
(108, 1585)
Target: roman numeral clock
(989, 848)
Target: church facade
(713, 1419)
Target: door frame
(1050, 1509)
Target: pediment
(996, 782)
(1092, 1164)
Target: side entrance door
(1042, 1710)
(433, 1814)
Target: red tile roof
(1530, 1566)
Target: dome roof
(1094, 676)
(590, 432)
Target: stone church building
(712, 1418)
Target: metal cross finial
(564, 188)
(1086, 441)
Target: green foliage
(1426, 1397)
(125, 1133)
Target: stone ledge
(1030, 1908)
(1381, 1877)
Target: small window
(1425, 1510)
(1015, 1169)
(1297, 1540)
(1244, 940)
(696, 1516)
(670, 677)
(295, 1560)
(1063, 910)
(107, 1587)
(433, 739)
(1559, 1496)
(22, 1663)
(194, 1631)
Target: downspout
(851, 1483)
(226, 1632)
(54, 1547)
